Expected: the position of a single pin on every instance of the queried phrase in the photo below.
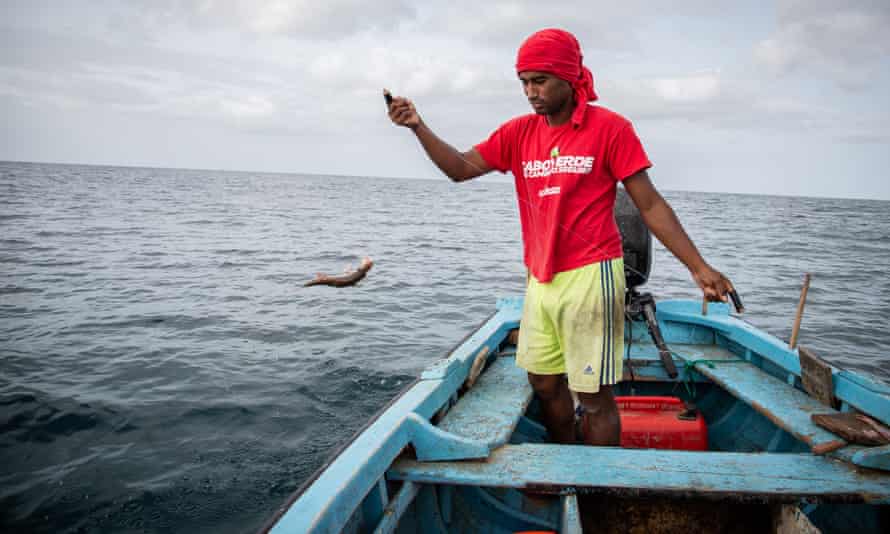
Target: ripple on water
(164, 370)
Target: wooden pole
(795, 330)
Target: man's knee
(548, 387)
(603, 401)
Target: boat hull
(453, 454)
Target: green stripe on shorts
(575, 325)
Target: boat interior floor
(748, 410)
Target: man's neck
(562, 116)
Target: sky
(784, 97)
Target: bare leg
(600, 424)
(557, 406)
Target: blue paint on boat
(452, 455)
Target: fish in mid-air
(350, 278)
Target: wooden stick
(795, 330)
(704, 305)
(476, 369)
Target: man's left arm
(662, 221)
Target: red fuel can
(656, 423)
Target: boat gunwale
(282, 510)
(450, 372)
(862, 393)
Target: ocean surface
(163, 369)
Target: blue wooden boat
(462, 449)
(445, 457)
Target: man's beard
(551, 108)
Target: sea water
(163, 369)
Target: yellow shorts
(575, 325)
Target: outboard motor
(636, 241)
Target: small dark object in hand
(387, 97)
(736, 301)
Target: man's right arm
(458, 166)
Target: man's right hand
(402, 113)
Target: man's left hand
(713, 284)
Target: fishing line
(537, 246)
(732, 294)
(560, 225)
(593, 245)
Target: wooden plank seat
(490, 410)
(644, 363)
(556, 468)
(787, 407)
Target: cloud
(847, 42)
(702, 96)
(313, 71)
(89, 72)
(433, 67)
(298, 19)
(179, 94)
(713, 100)
(599, 25)
(505, 24)
(694, 88)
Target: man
(567, 159)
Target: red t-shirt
(565, 182)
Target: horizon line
(496, 178)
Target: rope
(687, 378)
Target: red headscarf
(557, 52)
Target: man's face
(545, 92)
